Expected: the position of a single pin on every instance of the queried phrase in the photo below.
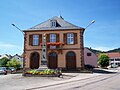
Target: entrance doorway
(52, 60)
(70, 60)
(34, 60)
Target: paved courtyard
(19, 82)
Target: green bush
(14, 63)
(103, 60)
(3, 62)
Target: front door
(34, 60)
(52, 60)
(70, 60)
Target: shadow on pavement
(77, 71)
(103, 71)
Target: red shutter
(30, 40)
(48, 40)
(57, 40)
(57, 37)
(75, 38)
(40, 38)
(65, 38)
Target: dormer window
(53, 23)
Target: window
(35, 40)
(70, 38)
(112, 59)
(53, 23)
(89, 54)
(52, 39)
(117, 59)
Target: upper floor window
(35, 40)
(70, 38)
(52, 37)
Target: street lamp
(18, 28)
(93, 21)
(24, 46)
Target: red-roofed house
(114, 58)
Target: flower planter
(43, 73)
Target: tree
(103, 60)
(14, 63)
(3, 62)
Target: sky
(103, 35)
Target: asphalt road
(73, 81)
(19, 82)
(109, 81)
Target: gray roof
(60, 24)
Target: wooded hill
(98, 51)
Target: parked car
(114, 66)
(3, 70)
(11, 69)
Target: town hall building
(64, 45)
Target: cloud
(103, 48)
(7, 45)
(8, 48)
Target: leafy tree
(103, 60)
(14, 63)
(3, 62)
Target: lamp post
(17, 28)
(93, 21)
(82, 64)
(24, 46)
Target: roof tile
(61, 24)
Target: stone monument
(43, 64)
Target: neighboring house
(64, 45)
(5, 55)
(18, 57)
(114, 58)
(90, 58)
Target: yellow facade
(61, 54)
